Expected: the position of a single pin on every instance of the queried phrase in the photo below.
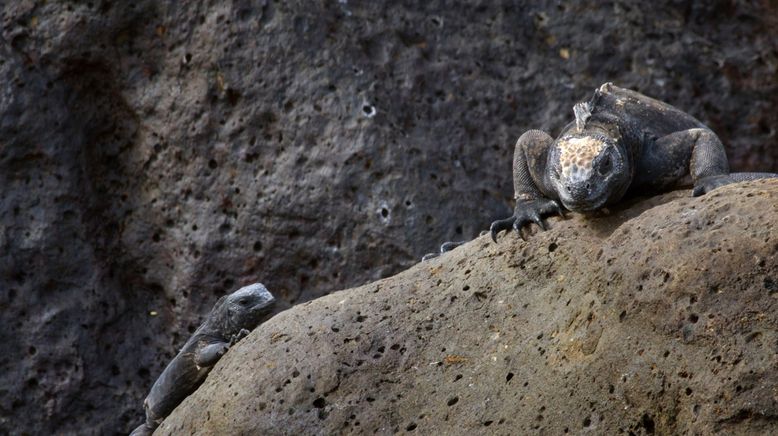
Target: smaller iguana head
(245, 308)
(588, 170)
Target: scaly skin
(228, 322)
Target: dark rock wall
(154, 155)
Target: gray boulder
(660, 317)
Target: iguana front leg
(209, 354)
(706, 158)
(532, 206)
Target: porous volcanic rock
(156, 154)
(661, 317)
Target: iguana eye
(243, 301)
(605, 166)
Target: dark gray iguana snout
(230, 320)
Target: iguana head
(244, 308)
(588, 170)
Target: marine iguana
(228, 322)
(621, 143)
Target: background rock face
(656, 319)
(154, 156)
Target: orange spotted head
(588, 170)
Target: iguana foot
(238, 336)
(446, 247)
(527, 212)
(707, 184)
(143, 430)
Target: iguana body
(230, 320)
(621, 142)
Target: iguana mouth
(263, 308)
(585, 206)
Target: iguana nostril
(588, 186)
(569, 188)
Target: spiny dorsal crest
(582, 113)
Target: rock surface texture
(658, 318)
(154, 156)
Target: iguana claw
(240, 335)
(499, 226)
(527, 212)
